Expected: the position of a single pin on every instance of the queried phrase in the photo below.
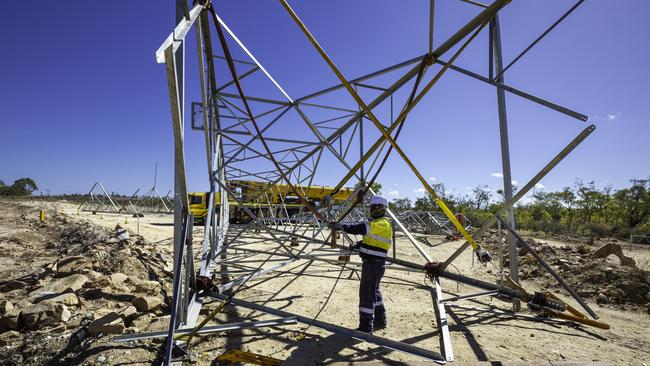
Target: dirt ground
(30, 249)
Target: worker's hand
(334, 225)
(432, 269)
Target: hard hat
(378, 200)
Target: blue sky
(83, 100)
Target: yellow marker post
(41, 216)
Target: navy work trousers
(371, 305)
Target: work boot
(379, 320)
(379, 326)
(364, 329)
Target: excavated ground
(68, 285)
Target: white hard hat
(378, 200)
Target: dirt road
(303, 288)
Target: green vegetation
(21, 187)
(582, 209)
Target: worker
(373, 248)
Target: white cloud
(514, 182)
(613, 116)
(396, 184)
(496, 175)
(540, 186)
(433, 179)
(420, 190)
(393, 193)
(468, 188)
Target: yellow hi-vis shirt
(378, 238)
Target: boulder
(65, 299)
(147, 303)
(92, 275)
(8, 337)
(23, 304)
(102, 282)
(148, 287)
(6, 307)
(43, 314)
(73, 282)
(118, 278)
(129, 313)
(613, 260)
(72, 264)
(10, 320)
(615, 249)
(602, 299)
(110, 323)
(11, 285)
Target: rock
(65, 299)
(149, 287)
(101, 359)
(635, 291)
(110, 323)
(608, 249)
(6, 307)
(102, 282)
(11, 285)
(92, 275)
(72, 264)
(118, 278)
(129, 313)
(23, 304)
(8, 337)
(612, 260)
(43, 314)
(585, 293)
(602, 299)
(147, 303)
(10, 320)
(73, 282)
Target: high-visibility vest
(378, 238)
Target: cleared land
(66, 293)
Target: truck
(265, 199)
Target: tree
(424, 203)
(635, 202)
(482, 196)
(21, 187)
(400, 204)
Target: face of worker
(377, 211)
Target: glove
(432, 269)
(334, 226)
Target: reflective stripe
(367, 228)
(383, 240)
(379, 303)
(366, 310)
(376, 253)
